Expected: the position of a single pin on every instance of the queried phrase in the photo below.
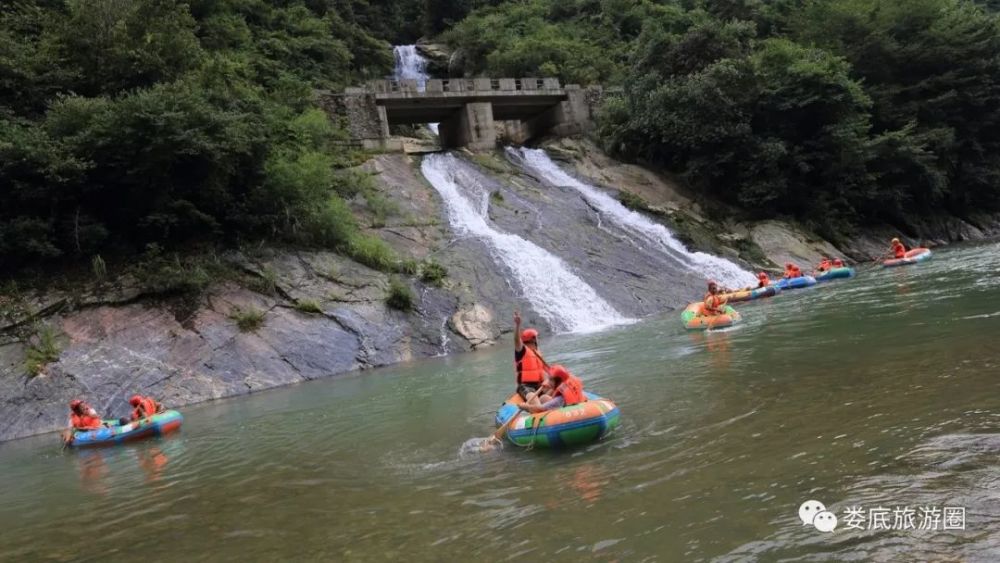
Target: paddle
(502, 431)
(489, 444)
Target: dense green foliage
(142, 126)
(125, 123)
(832, 111)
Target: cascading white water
(411, 65)
(558, 295)
(711, 267)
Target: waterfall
(558, 295)
(706, 265)
(410, 64)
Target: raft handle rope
(534, 434)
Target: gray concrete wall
(470, 127)
(365, 119)
(546, 107)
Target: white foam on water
(554, 291)
(710, 267)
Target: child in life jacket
(568, 391)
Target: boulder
(475, 324)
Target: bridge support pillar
(471, 127)
(569, 117)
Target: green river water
(881, 391)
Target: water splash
(706, 265)
(555, 292)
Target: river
(881, 391)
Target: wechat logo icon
(814, 512)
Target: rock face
(441, 60)
(665, 200)
(783, 242)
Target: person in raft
(568, 391)
(713, 301)
(838, 263)
(898, 249)
(81, 417)
(824, 265)
(142, 407)
(792, 271)
(529, 365)
(763, 280)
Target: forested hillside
(135, 124)
(130, 122)
(836, 112)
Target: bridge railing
(453, 85)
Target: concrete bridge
(467, 109)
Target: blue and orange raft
(115, 433)
(578, 424)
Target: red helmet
(135, 400)
(529, 335)
(559, 373)
(75, 403)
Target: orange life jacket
(85, 421)
(713, 304)
(571, 391)
(793, 272)
(531, 368)
(763, 280)
(899, 250)
(824, 265)
(838, 263)
(147, 407)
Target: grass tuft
(400, 297)
(433, 273)
(247, 320)
(43, 349)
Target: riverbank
(282, 316)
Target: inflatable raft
(911, 257)
(694, 320)
(836, 273)
(115, 433)
(795, 283)
(579, 424)
(751, 294)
